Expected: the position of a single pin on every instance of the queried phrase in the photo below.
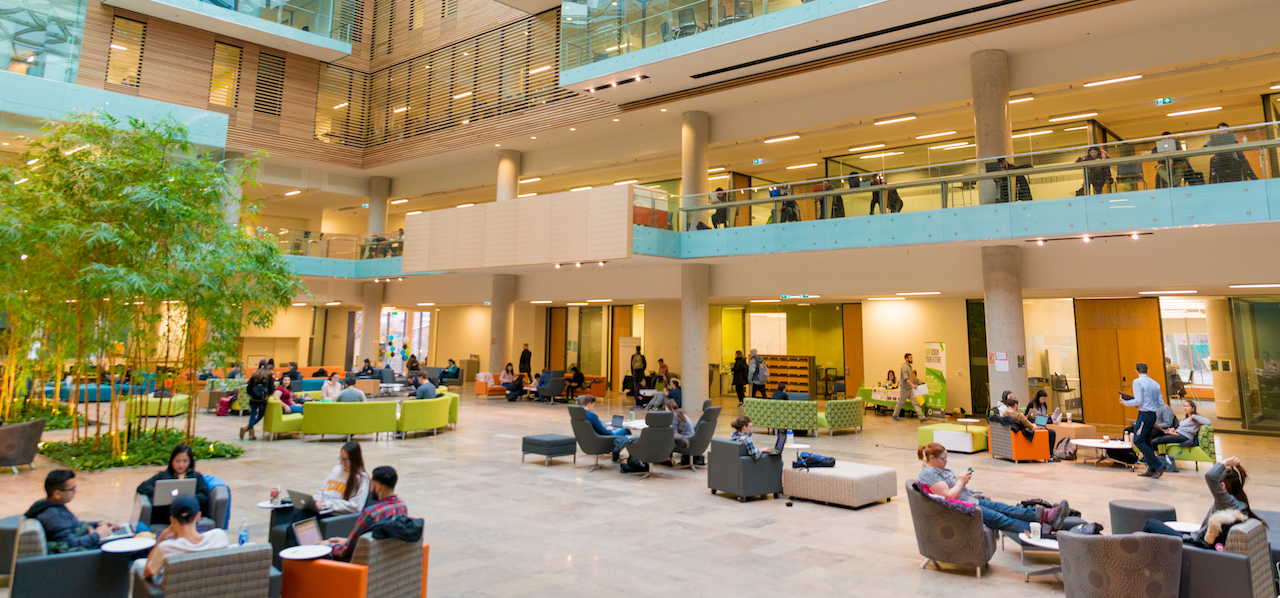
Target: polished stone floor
(505, 529)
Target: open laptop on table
(127, 530)
(304, 501)
(308, 532)
(618, 420)
(1042, 420)
(780, 443)
(168, 491)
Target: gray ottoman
(1128, 516)
(849, 484)
(549, 446)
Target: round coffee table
(308, 552)
(1046, 544)
(129, 545)
(968, 420)
(1100, 448)
(1185, 527)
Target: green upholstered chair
(782, 415)
(443, 392)
(925, 435)
(423, 414)
(1203, 451)
(841, 415)
(345, 419)
(157, 407)
(276, 422)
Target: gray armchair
(19, 444)
(589, 441)
(1243, 571)
(656, 442)
(731, 469)
(1134, 565)
(219, 505)
(554, 387)
(84, 574)
(703, 432)
(244, 571)
(945, 535)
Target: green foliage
(25, 412)
(143, 450)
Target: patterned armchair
(1117, 566)
(782, 415)
(1007, 444)
(243, 571)
(1203, 451)
(841, 415)
(946, 535)
(1244, 570)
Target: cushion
(548, 440)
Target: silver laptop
(168, 491)
(127, 530)
(1167, 145)
(307, 532)
(303, 500)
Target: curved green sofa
(345, 419)
(276, 422)
(424, 414)
(152, 407)
(841, 415)
(782, 415)
(453, 404)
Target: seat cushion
(544, 444)
(848, 483)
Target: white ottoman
(849, 484)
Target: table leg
(1050, 571)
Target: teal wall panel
(1053, 217)
(1245, 201)
(1127, 211)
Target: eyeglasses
(71, 489)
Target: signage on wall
(1002, 361)
(935, 375)
(757, 161)
(1164, 101)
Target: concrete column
(502, 307)
(508, 174)
(370, 318)
(695, 134)
(231, 197)
(695, 288)
(993, 132)
(1002, 296)
(379, 193)
(1226, 386)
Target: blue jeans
(1006, 518)
(256, 412)
(294, 408)
(621, 438)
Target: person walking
(740, 371)
(526, 364)
(1146, 397)
(261, 386)
(638, 366)
(907, 389)
(757, 375)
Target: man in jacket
(740, 371)
(526, 364)
(907, 389)
(63, 530)
(638, 367)
(758, 375)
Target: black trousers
(636, 377)
(741, 389)
(758, 388)
(1143, 431)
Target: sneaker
(896, 418)
(1058, 515)
(700, 460)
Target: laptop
(304, 501)
(1042, 420)
(307, 532)
(618, 420)
(168, 491)
(127, 530)
(780, 443)
(1167, 145)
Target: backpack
(224, 405)
(1126, 456)
(258, 390)
(1066, 450)
(807, 460)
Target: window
(420, 334)
(270, 93)
(340, 105)
(417, 13)
(124, 60)
(224, 86)
(448, 8)
(383, 21)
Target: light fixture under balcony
(716, 169)
(799, 166)
(541, 69)
(886, 298)
(1079, 116)
(532, 180)
(781, 139)
(526, 195)
(1033, 134)
(539, 302)
(864, 148)
(932, 135)
(581, 188)
(292, 193)
(629, 182)
(465, 205)
(1116, 80)
(413, 213)
(427, 304)
(398, 202)
(895, 119)
(1187, 292)
(1021, 99)
(1196, 111)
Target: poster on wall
(935, 375)
(626, 348)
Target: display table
(884, 398)
(1074, 431)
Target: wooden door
(621, 327)
(1100, 377)
(1112, 336)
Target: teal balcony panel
(976, 223)
(1049, 218)
(712, 242)
(912, 228)
(1273, 197)
(646, 240)
(1128, 211)
(1245, 201)
(329, 267)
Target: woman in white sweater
(331, 388)
(347, 487)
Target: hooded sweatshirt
(61, 526)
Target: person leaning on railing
(1095, 177)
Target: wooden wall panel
(298, 114)
(177, 64)
(474, 17)
(95, 45)
(608, 211)
(569, 242)
(851, 313)
(1111, 336)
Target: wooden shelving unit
(796, 370)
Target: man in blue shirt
(620, 436)
(1147, 398)
(426, 391)
(781, 393)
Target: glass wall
(801, 330)
(1257, 328)
(1053, 364)
(42, 37)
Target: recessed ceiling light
(1134, 236)
(632, 181)
(526, 195)
(398, 202)
(413, 213)
(332, 303)
(1067, 117)
(896, 119)
(1275, 86)
(1256, 286)
(1021, 99)
(716, 169)
(1116, 80)
(465, 205)
(118, 47)
(576, 304)
(578, 264)
(531, 137)
(497, 145)
(425, 304)
(532, 180)
(1033, 133)
(400, 109)
(581, 188)
(615, 120)
(541, 69)
(718, 177)
(1087, 239)
(920, 293)
(298, 304)
(932, 135)
(1166, 292)
(539, 302)
(886, 298)
(1080, 128)
(766, 300)
(783, 138)
(1196, 111)
(557, 266)
(799, 166)
(1040, 242)
(864, 148)
(880, 155)
(572, 129)
(664, 109)
(599, 300)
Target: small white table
(309, 552)
(1046, 544)
(634, 424)
(1100, 446)
(968, 420)
(795, 446)
(266, 504)
(1185, 527)
(648, 392)
(129, 545)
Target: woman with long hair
(1226, 482)
(182, 465)
(891, 381)
(261, 386)
(347, 487)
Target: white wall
(285, 340)
(891, 328)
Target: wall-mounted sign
(1164, 101)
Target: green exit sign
(1164, 101)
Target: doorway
(1112, 336)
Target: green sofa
(925, 435)
(152, 407)
(453, 404)
(1203, 451)
(345, 419)
(841, 415)
(276, 422)
(781, 415)
(424, 414)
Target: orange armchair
(1007, 444)
(322, 577)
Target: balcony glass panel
(41, 38)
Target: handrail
(1167, 157)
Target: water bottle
(633, 415)
(791, 437)
(244, 531)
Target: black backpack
(807, 460)
(258, 390)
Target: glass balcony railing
(1207, 157)
(42, 37)
(594, 30)
(312, 244)
(653, 207)
(330, 18)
